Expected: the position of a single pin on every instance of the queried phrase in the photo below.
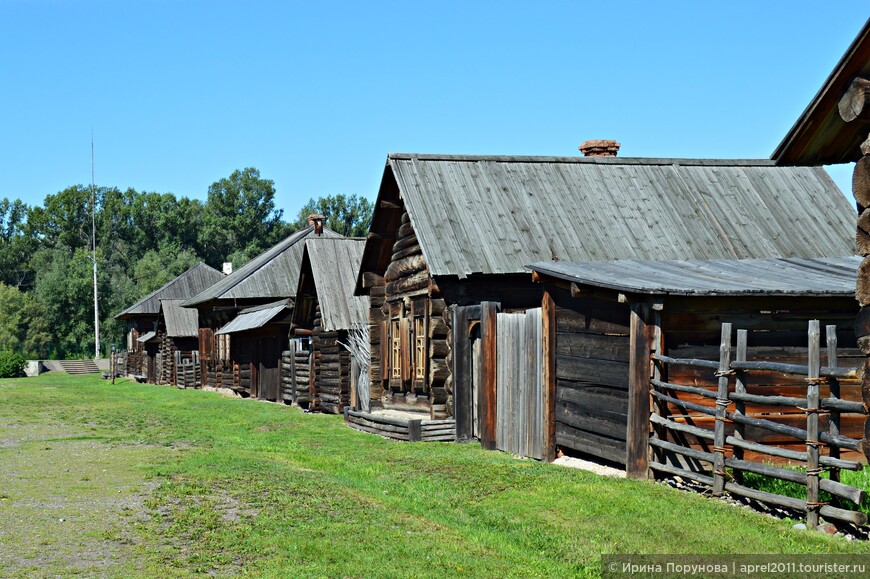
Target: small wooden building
(177, 331)
(601, 321)
(451, 236)
(142, 316)
(326, 310)
(259, 334)
(230, 358)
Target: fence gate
(520, 384)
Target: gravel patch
(590, 466)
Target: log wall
(592, 373)
(331, 363)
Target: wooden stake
(488, 317)
(721, 409)
(813, 363)
(637, 435)
(834, 421)
(740, 407)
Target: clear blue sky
(315, 94)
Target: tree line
(143, 240)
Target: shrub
(11, 364)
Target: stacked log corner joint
(855, 105)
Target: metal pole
(94, 241)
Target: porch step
(79, 366)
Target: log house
(142, 317)
(451, 235)
(326, 309)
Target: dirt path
(69, 501)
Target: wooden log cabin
(326, 310)
(451, 235)
(602, 320)
(835, 129)
(245, 360)
(141, 317)
(178, 344)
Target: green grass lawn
(143, 480)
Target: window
(395, 350)
(420, 348)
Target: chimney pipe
(228, 267)
(316, 219)
(599, 148)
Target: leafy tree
(64, 220)
(347, 215)
(240, 213)
(64, 288)
(17, 244)
(23, 328)
(156, 268)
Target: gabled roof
(147, 337)
(494, 215)
(820, 136)
(273, 274)
(824, 276)
(334, 264)
(180, 322)
(188, 284)
(253, 318)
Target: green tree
(17, 244)
(158, 267)
(350, 216)
(240, 214)
(23, 328)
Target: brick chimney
(316, 219)
(599, 148)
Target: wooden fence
(674, 429)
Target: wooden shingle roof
(494, 215)
(180, 322)
(274, 274)
(825, 276)
(188, 284)
(334, 264)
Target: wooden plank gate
(519, 384)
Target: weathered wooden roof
(253, 318)
(827, 276)
(273, 274)
(180, 322)
(820, 136)
(494, 215)
(334, 265)
(188, 284)
(147, 336)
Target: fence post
(721, 407)
(740, 407)
(813, 363)
(834, 422)
(637, 431)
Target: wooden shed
(142, 316)
(177, 338)
(326, 310)
(451, 235)
(602, 320)
(231, 358)
(259, 334)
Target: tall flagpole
(94, 241)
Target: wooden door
(269, 374)
(519, 384)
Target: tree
(240, 214)
(17, 244)
(157, 267)
(23, 328)
(349, 216)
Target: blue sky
(315, 94)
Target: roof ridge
(616, 160)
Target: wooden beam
(463, 387)
(548, 313)
(637, 434)
(855, 104)
(489, 353)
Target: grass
(858, 479)
(157, 481)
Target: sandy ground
(590, 466)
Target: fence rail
(673, 453)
